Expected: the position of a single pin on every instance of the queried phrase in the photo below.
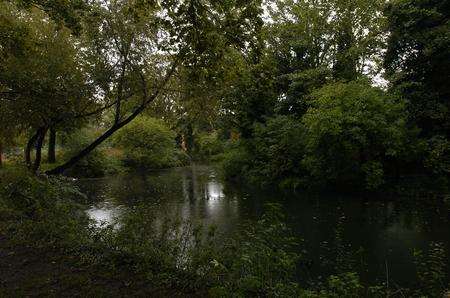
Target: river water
(378, 235)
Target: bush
(209, 145)
(431, 270)
(437, 159)
(147, 142)
(352, 136)
(235, 161)
(277, 149)
(273, 157)
(352, 130)
(343, 285)
(41, 211)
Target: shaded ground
(28, 272)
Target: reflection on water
(385, 232)
(192, 193)
(105, 213)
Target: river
(378, 234)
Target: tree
(41, 81)
(352, 133)
(65, 12)
(418, 61)
(345, 36)
(277, 150)
(252, 96)
(307, 44)
(51, 156)
(126, 55)
(138, 47)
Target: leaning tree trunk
(60, 169)
(116, 126)
(51, 158)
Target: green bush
(352, 131)
(352, 136)
(208, 145)
(345, 285)
(273, 157)
(41, 211)
(431, 270)
(437, 158)
(234, 162)
(277, 151)
(147, 142)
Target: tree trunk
(39, 142)
(51, 158)
(1, 154)
(28, 148)
(60, 169)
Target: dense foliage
(418, 59)
(354, 132)
(342, 93)
(41, 211)
(352, 124)
(149, 143)
(98, 163)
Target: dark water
(378, 235)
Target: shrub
(208, 145)
(431, 270)
(277, 150)
(41, 210)
(147, 142)
(352, 129)
(343, 285)
(235, 161)
(438, 156)
(273, 157)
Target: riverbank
(42, 272)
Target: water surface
(379, 235)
